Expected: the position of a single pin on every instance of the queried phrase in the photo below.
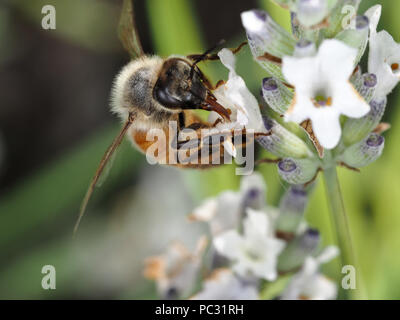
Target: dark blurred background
(55, 125)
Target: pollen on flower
(395, 66)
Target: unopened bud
(276, 94)
(298, 171)
(304, 48)
(354, 130)
(253, 191)
(291, 209)
(356, 38)
(265, 36)
(281, 142)
(302, 246)
(311, 12)
(365, 152)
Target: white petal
(383, 52)
(336, 60)
(228, 60)
(256, 223)
(251, 22)
(267, 268)
(206, 211)
(302, 108)
(327, 254)
(235, 94)
(300, 72)
(224, 285)
(228, 213)
(228, 244)
(348, 101)
(374, 15)
(320, 288)
(326, 127)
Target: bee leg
(267, 160)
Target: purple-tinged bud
(304, 48)
(365, 85)
(253, 190)
(298, 171)
(365, 152)
(281, 142)
(298, 249)
(268, 41)
(311, 12)
(291, 209)
(276, 94)
(370, 80)
(354, 130)
(362, 22)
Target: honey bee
(150, 92)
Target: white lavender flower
(225, 211)
(309, 283)
(365, 152)
(323, 91)
(223, 284)
(234, 95)
(177, 270)
(384, 55)
(255, 252)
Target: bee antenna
(205, 54)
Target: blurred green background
(55, 126)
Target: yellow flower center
(322, 101)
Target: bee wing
(127, 31)
(103, 168)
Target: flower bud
(297, 171)
(311, 12)
(253, 190)
(291, 209)
(265, 36)
(281, 142)
(354, 130)
(276, 94)
(293, 256)
(304, 48)
(365, 152)
(301, 32)
(366, 87)
(358, 37)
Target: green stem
(336, 204)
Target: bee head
(179, 86)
